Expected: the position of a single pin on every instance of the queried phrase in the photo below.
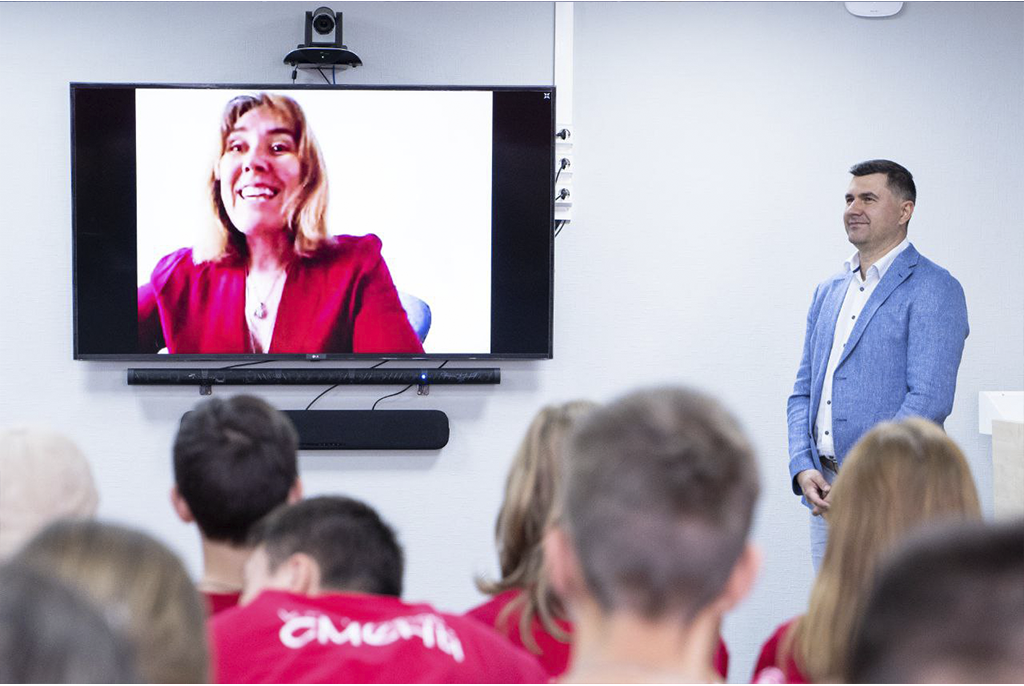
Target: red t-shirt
(554, 656)
(354, 638)
(218, 602)
(770, 658)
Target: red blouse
(339, 300)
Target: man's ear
(906, 211)
(182, 509)
(561, 565)
(741, 579)
(295, 492)
(301, 575)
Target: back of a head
(533, 480)
(659, 493)
(353, 547)
(898, 477)
(948, 608)
(45, 478)
(235, 460)
(139, 584)
(51, 634)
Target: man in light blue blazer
(884, 339)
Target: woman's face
(259, 171)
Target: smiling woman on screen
(268, 277)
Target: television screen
(303, 222)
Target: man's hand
(815, 489)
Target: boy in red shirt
(649, 549)
(321, 605)
(235, 460)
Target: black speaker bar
(370, 429)
(312, 377)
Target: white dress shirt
(857, 294)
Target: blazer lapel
(901, 268)
(823, 343)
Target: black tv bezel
(75, 86)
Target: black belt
(830, 462)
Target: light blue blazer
(901, 359)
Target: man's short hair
(898, 180)
(234, 461)
(353, 547)
(947, 608)
(659, 491)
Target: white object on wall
(563, 109)
(1006, 406)
(873, 9)
(1007, 468)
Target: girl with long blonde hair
(898, 477)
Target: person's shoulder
(930, 280)
(833, 280)
(267, 604)
(345, 244)
(477, 635)
(927, 267)
(182, 257)
(488, 611)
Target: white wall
(711, 147)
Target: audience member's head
(948, 608)
(45, 478)
(234, 461)
(141, 586)
(896, 478)
(324, 544)
(656, 507)
(51, 634)
(533, 481)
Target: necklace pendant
(260, 312)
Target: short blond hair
(896, 478)
(44, 477)
(142, 588)
(306, 214)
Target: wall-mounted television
(223, 222)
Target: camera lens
(323, 21)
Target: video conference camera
(323, 46)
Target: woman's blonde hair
(533, 481)
(897, 477)
(140, 585)
(306, 212)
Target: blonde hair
(897, 477)
(45, 477)
(307, 211)
(140, 585)
(533, 481)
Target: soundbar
(370, 429)
(312, 377)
